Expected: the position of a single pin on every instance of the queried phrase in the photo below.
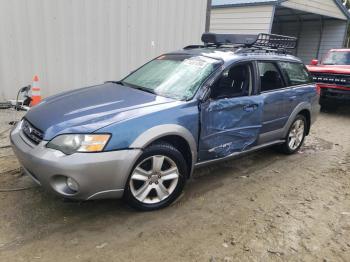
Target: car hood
(89, 109)
(329, 69)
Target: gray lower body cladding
(98, 175)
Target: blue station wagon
(140, 138)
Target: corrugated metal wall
(309, 33)
(258, 18)
(333, 36)
(321, 7)
(241, 20)
(308, 37)
(75, 43)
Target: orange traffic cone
(36, 96)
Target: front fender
(154, 133)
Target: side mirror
(314, 62)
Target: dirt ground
(264, 207)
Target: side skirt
(238, 154)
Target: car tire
(296, 133)
(157, 178)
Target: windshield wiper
(144, 89)
(133, 86)
(116, 82)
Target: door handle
(250, 108)
(292, 98)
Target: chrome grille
(31, 132)
(335, 79)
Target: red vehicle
(333, 77)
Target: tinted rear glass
(270, 77)
(296, 73)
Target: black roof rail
(199, 46)
(259, 41)
(193, 46)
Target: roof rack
(262, 41)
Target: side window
(234, 82)
(296, 73)
(270, 77)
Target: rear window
(296, 73)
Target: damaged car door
(279, 100)
(231, 118)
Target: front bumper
(99, 175)
(335, 93)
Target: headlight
(70, 144)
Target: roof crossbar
(262, 40)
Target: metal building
(76, 43)
(319, 24)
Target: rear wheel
(296, 136)
(157, 178)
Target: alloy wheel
(154, 179)
(296, 134)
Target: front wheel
(296, 136)
(157, 178)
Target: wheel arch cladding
(180, 144)
(306, 113)
(176, 135)
(302, 108)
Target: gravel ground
(264, 207)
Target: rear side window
(270, 77)
(296, 73)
